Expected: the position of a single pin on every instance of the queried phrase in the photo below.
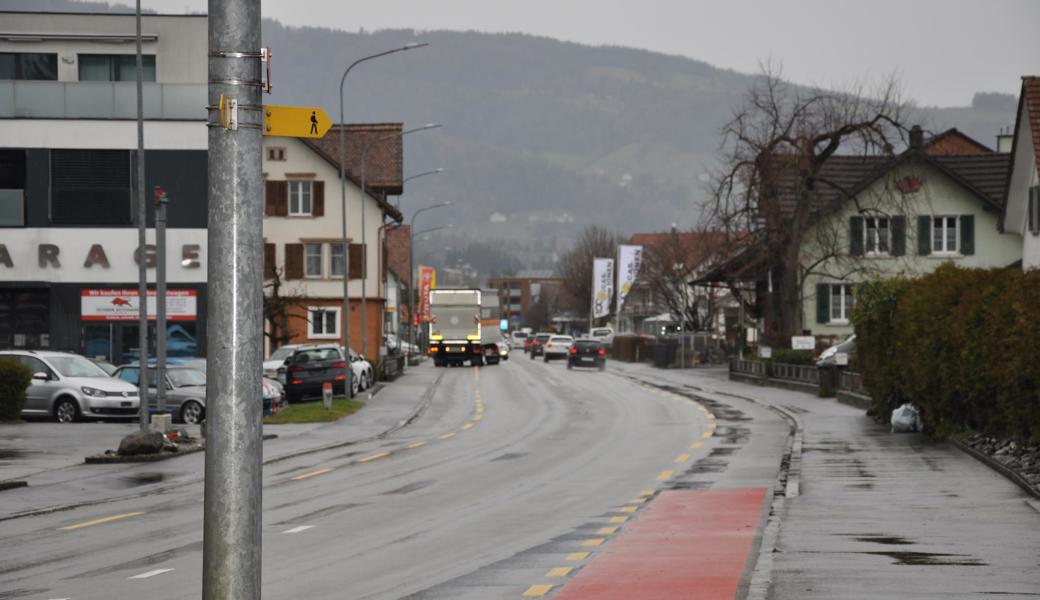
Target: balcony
(101, 100)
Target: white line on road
(298, 529)
(148, 574)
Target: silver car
(185, 390)
(68, 387)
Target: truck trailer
(455, 327)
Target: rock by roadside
(1022, 459)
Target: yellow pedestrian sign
(296, 121)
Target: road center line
(559, 572)
(706, 434)
(682, 458)
(468, 425)
(313, 474)
(416, 445)
(100, 521)
(665, 475)
(298, 529)
(696, 445)
(606, 530)
(592, 542)
(447, 436)
(148, 574)
(575, 556)
(617, 519)
(628, 509)
(537, 591)
(373, 457)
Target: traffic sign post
(296, 121)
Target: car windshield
(541, 338)
(586, 344)
(281, 353)
(75, 366)
(186, 377)
(562, 338)
(519, 335)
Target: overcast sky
(943, 50)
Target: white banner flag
(629, 260)
(602, 286)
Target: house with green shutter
(938, 201)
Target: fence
(391, 367)
(753, 368)
(797, 373)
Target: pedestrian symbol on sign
(314, 122)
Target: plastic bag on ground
(906, 419)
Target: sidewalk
(50, 456)
(887, 516)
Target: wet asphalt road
(493, 487)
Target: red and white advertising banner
(122, 305)
(426, 282)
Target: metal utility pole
(160, 300)
(232, 508)
(142, 241)
(411, 267)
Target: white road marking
(148, 574)
(298, 529)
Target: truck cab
(455, 328)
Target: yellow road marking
(637, 500)
(537, 591)
(373, 457)
(628, 509)
(559, 572)
(696, 445)
(618, 519)
(478, 416)
(578, 555)
(469, 425)
(702, 409)
(646, 493)
(416, 445)
(100, 521)
(313, 474)
(592, 542)
(706, 434)
(447, 436)
(606, 530)
(682, 458)
(712, 425)
(710, 416)
(665, 475)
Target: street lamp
(411, 268)
(347, 370)
(423, 174)
(364, 247)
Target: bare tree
(279, 309)
(669, 265)
(576, 265)
(774, 153)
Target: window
(300, 198)
(841, 302)
(878, 235)
(323, 322)
(312, 260)
(91, 187)
(28, 66)
(944, 235)
(337, 264)
(12, 186)
(115, 67)
(276, 154)
(1033, 208)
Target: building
(1022, 203)
(68, 239)
(303, 232)
(520, 292)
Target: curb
(990, 462)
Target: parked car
(311, 366)
(67, 387)
(363, 369)
(538, 344)
(601, 333)
(587, 353)
(516, 341)
(106, 366)
(503, 350)
(827, 357)
(277, 359)
(185, 390)
(492, 353)
(272, 394)
(557, 347)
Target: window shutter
(270, 198)
(294, 261)
(357, 261)
(1034, 210)
(269, 265)
(823, 302)
(967, 235)
(318, 198)
(855, 236)
(281, 199)
(924, 236)
(898, 235)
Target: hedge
(14, 380)
(962, 344)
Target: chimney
(916, 138)
(1004, 140)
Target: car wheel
(66, 411)
(546, 358)
(355, 386)
(603, 366)
(192, 413)
(570, 365)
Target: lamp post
(345, 317)
(364, 247)
(411, 268)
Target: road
(494, 492)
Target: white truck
(455, 327)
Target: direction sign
(296, 121)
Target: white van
(516, 341)
(600, 333)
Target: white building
(1022, 205)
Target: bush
(14, 380)
(962, 344)
(791, 357)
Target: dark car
(492, 354)
(587, 353)
(538, 344)
(185, 395)
(310, 367)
